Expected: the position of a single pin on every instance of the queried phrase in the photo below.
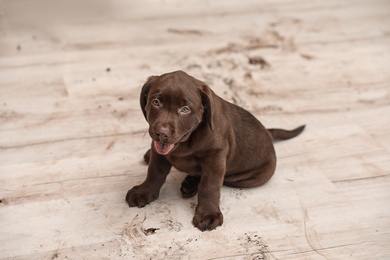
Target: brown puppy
(212, 140)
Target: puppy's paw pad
(139, 197)
(208, 221)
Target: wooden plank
(72, 135)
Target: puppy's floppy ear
(207, 102)
(144, 94)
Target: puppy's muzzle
(163, 134)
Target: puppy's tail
(280, 134)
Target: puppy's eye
(156, 102)
(185, 110)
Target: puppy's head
(175, 104)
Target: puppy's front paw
(207, 220)
(139, 196)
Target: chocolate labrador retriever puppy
(215, 142)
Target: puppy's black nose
(163, 133)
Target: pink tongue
(163, 149)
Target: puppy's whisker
(146, 131)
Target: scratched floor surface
(72, 135)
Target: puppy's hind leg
(147, 157)
(252, 178)
(189, 187)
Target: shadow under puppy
(215, 142)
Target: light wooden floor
(72, 135)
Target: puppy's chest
(188, 164)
